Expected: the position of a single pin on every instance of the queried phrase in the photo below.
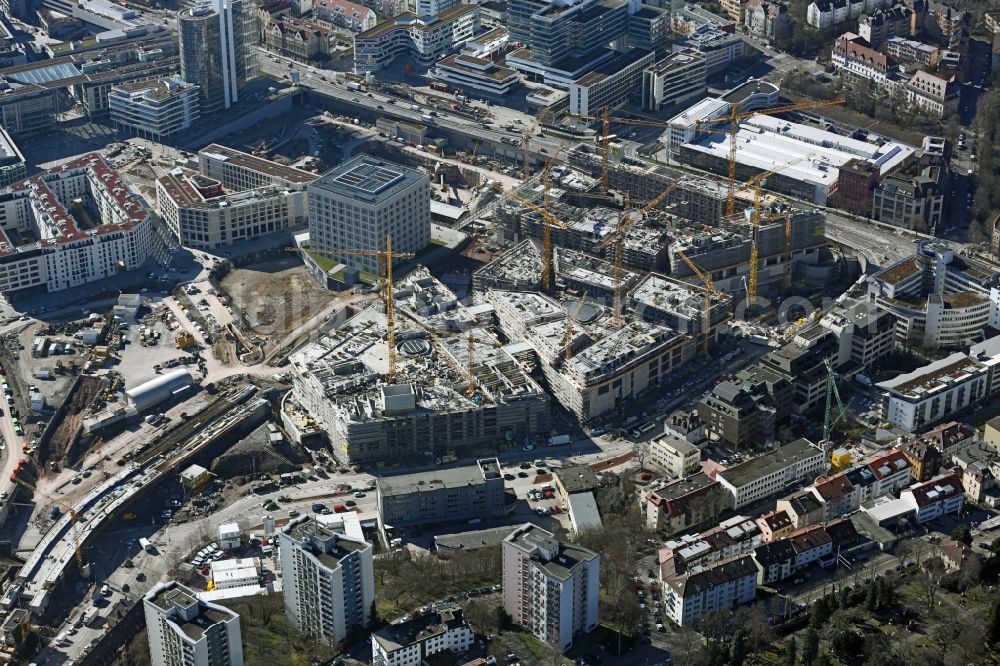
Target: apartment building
(675, 456)
(361, 202)
(932, 94)
(329, 587)
(767, 19)
(426, 39)
(184, 631)
(925, 459)
(942, 495)
(775, 561)
(345, 14)
(683, 504)
(892, 472)
(719, 587)
(674, 80)
(879, 26)
(934, 392)
(853, 56)
(772, 472)
(802, 509)
(441, 496)
(734, 536)
(411, 642)
(47, 246)
(910, 50)
(550, 588)
(745, 412)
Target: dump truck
(184, 340)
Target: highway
(334, 85)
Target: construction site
(425, 380)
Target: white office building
(328, 580)
(154, 109)
(772, 472)
(678, 78)
(550, 588)
(185, 631)
(364, 200)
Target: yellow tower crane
(710, 292)
(567, 341)
(525, 141)
(78, 553)
(385, 258)
(618, 237)
(757, 183)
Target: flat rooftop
(477, 67)
(940, 374)
(556, 558)
(429, 482)
(770, 463)
(410, 21)
(612, 67)
(259, 164)
(368, 179)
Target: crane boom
(385, 258)
(733, 117)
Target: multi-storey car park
(428, 411)
(71, 225)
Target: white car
(528, 447)
(359, 494)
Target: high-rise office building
(550, 588)
(185, 631)
(329, 585)
(564, 39)
(217, 52)
(357, 204)
(431, 8)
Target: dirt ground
(276, 296)
(88, 389)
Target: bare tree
(928, 581)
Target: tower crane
(710, 125)
(757, 183)
(525, 140)
(78, 553)
(618, 238)
(832, 392)
(385, 258)
(710, 292)
(567, 341)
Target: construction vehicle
(710, 292)
(184, 340)
(710, 125)
(68, 508)
(385, 259)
